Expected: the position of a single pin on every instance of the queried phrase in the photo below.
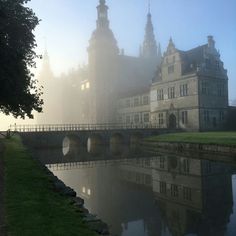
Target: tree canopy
(19, 95)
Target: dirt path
(2, 228)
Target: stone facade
(134, 110)
(189, 91)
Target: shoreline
(42, 197)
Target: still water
(159, 195)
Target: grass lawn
(223, 138)
(32, 207)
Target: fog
(86, 74)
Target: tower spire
(102, 20)
(149, 7)
(149, 43)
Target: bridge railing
(77, 127)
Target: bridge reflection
(73, 152)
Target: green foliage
(222, 138)
(19, 95)
(32, 207)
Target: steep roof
(192, 58)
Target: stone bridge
(57, 136)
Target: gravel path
(2, 228)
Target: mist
(90, 77)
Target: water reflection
(161, 195)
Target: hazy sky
(66, 27)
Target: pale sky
(66, 27)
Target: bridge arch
(117, 141)
(135, 141)
(95, 143)
(71, 144)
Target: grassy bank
(221, 138)
(32, 207)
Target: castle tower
(102, 42)
(52, 90)
(149, 43)
(46, 73)
(102, 56)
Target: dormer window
(171, 69)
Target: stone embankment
(94, 223)
(155, 146)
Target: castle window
(187, 193)
(136, 102)
(174, 190)
(87, 85)
(127, 119)
(183, 90)
(147, 162)
(161, 118)
(206, 116)
(171, 69)
(186, 166)
(127, 103)
(148, 179)
(162, 162)
(220, 89)
(222, 116)
(89, 191)
(163, 187)
(171, 92)
(205, 88)
(160, 95)
(146, 117)
(82, 87)
(120, 119)
(136, 118)
(145, 100)
(184, 117)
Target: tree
(19, 95)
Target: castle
(179, 89)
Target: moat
(140, 194)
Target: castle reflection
(153, 196)
(194, 196)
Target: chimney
(211, 41)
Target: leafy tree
(19, 95)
